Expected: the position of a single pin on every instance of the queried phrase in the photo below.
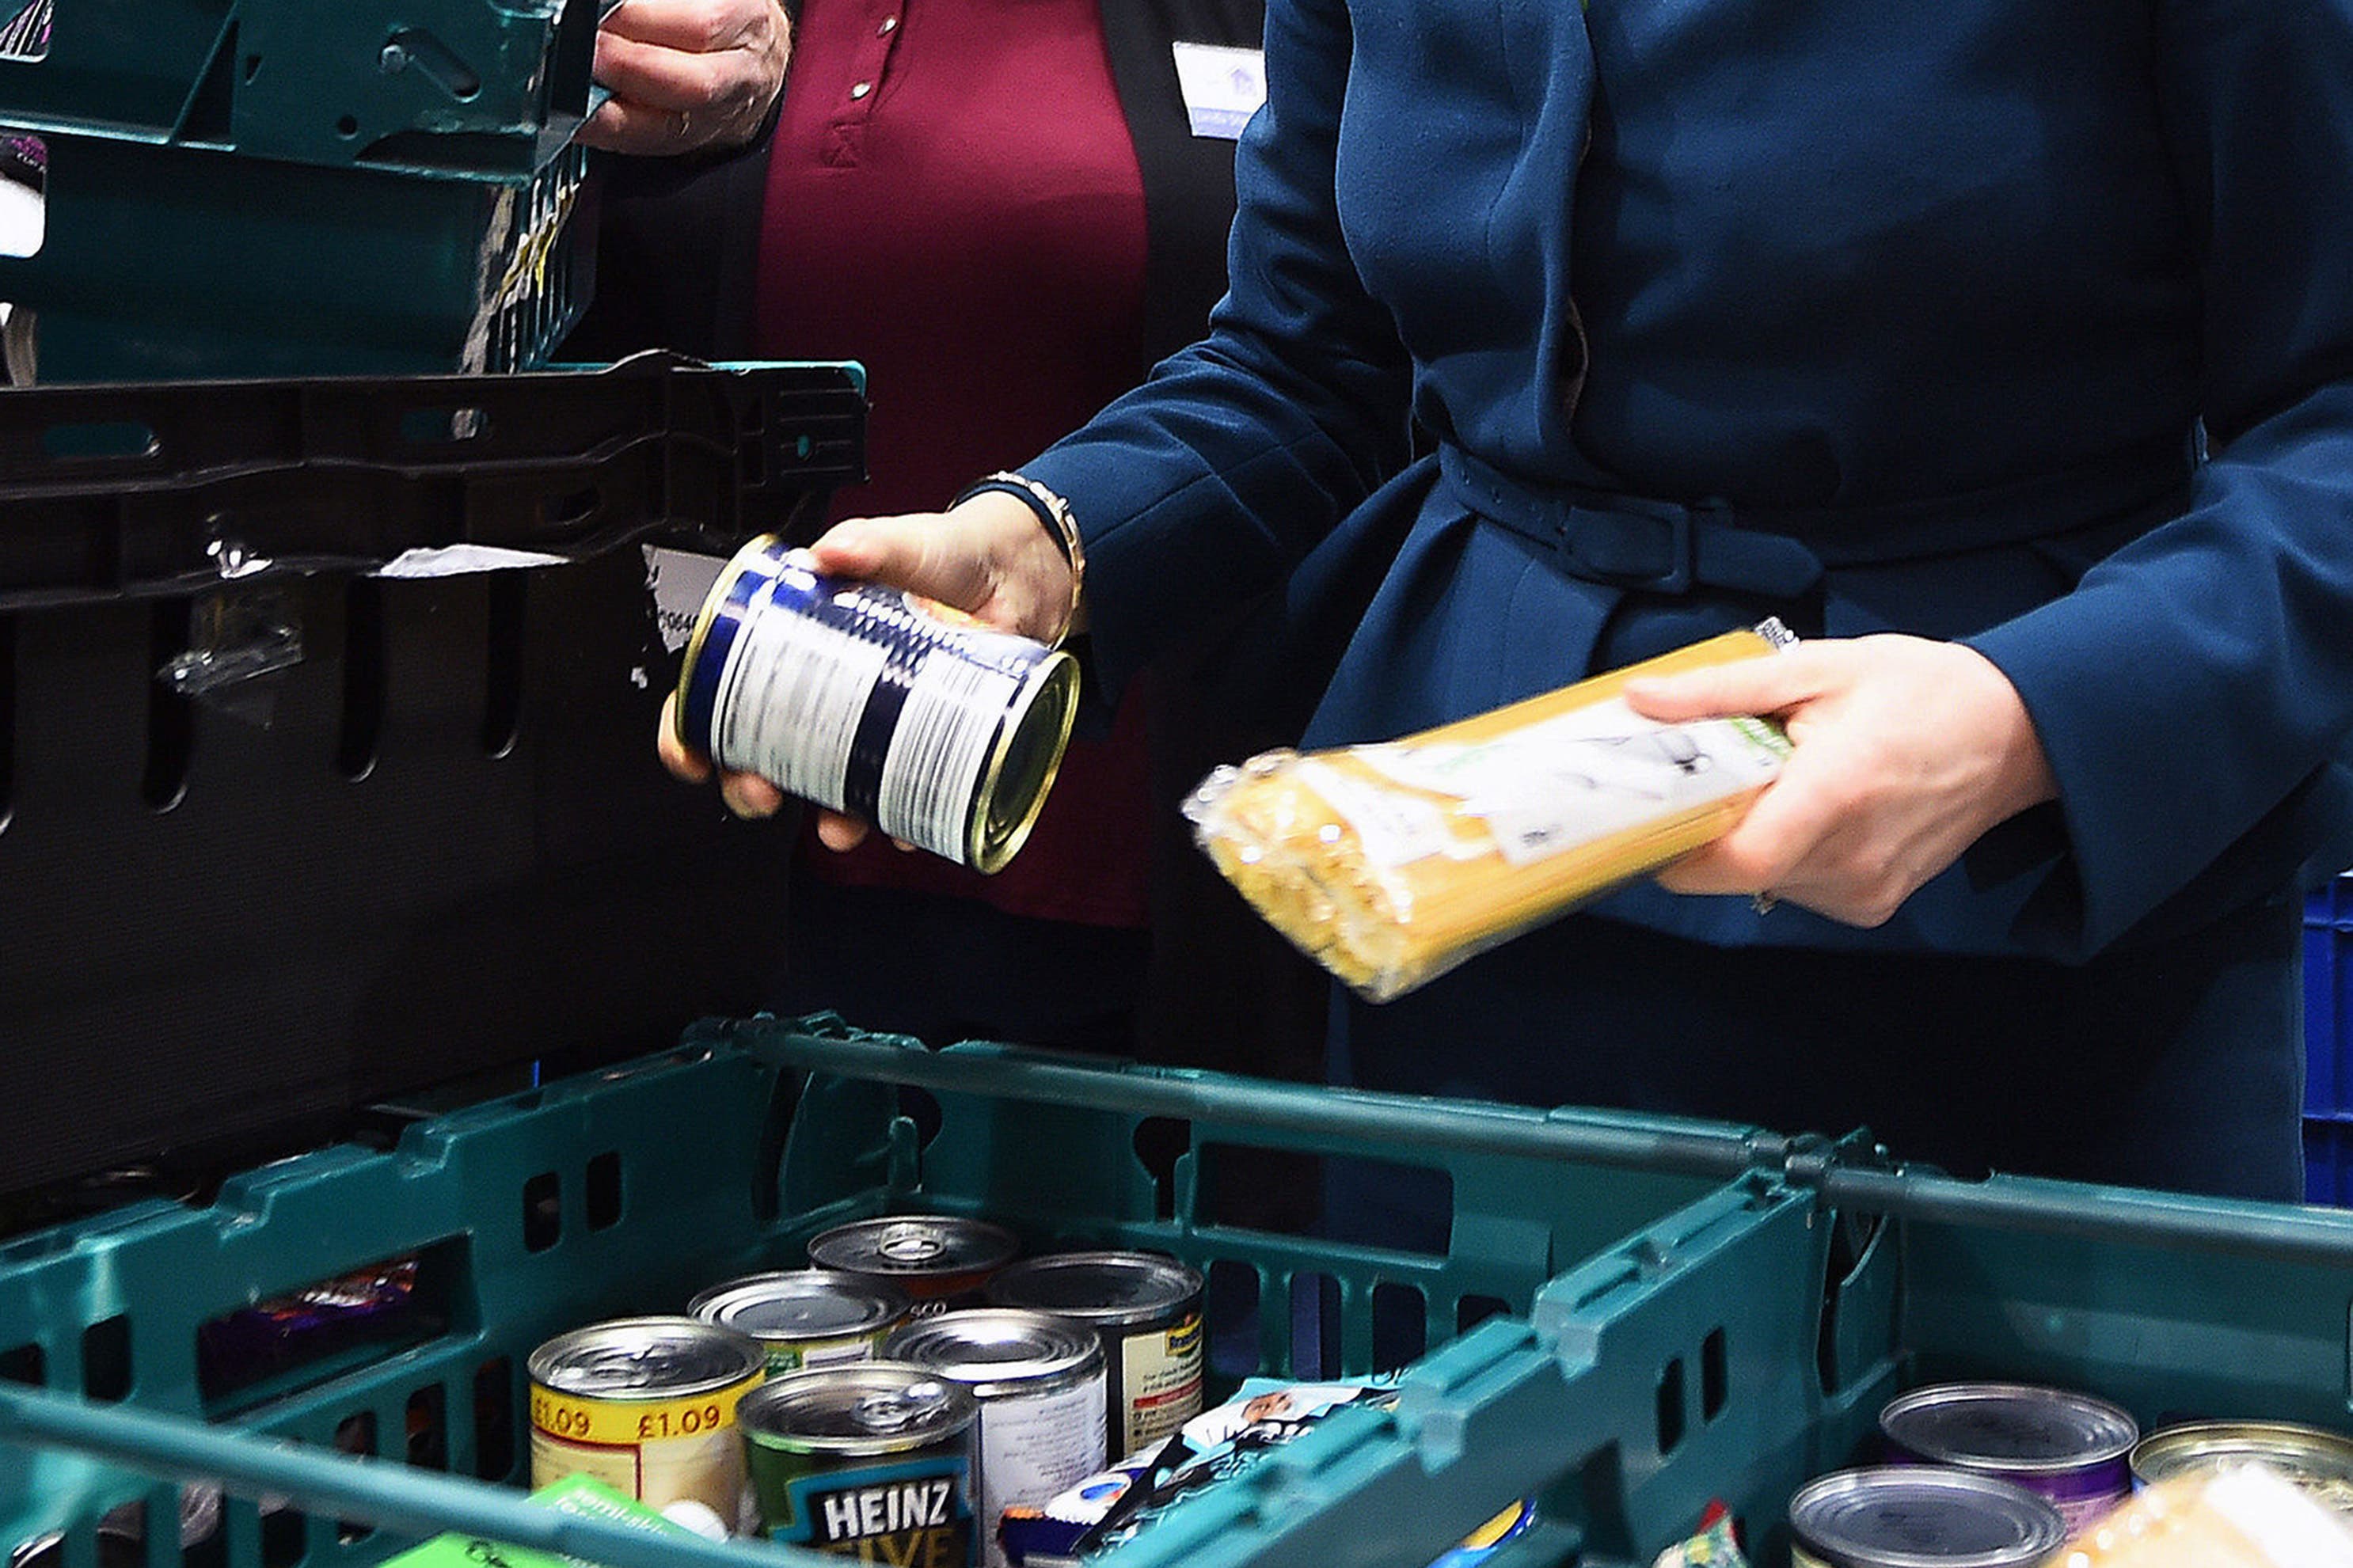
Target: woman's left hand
(1906, 751)
(686, 74)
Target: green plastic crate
(479, 88)
(166, 262)
(627, 1190)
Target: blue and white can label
(943, 732)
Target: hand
(989, 558)
(686, 74)
(1906, 751)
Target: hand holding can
(873, 702)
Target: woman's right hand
(988, 557)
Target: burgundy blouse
(953, 201)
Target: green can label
(914, 1513)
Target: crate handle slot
(389, 1495)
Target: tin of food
(2318, 1461)
(1920, 1516)
(1039, 1380)
(646, 1405)
(944, 734)
(2069, 1447)
(941, 1260)
(807, 1316)
(870, 1459)
(1148, 1309)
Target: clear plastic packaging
(2243, 1516)
(1391, 863)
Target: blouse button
(889, 25)
(859, 90)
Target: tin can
(870, 1459)
(2070, 1447)
(1920, 1516)
(646, 1405)
(944, 734)
(1039, 1380)
(807, 1316)
(940, 1260)
(1147, 1310)
(2320, 1462)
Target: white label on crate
(1031, 1448)
(458, 560)
(679, 581)
(1160, 1382)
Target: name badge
(1223, 86)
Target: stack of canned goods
(889, 1402)
(1992, 1475)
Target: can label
(907, 1513)
(1160, 1382)
(1034, 1447)
(793, 1355)
(659, 1451)
(861, 699)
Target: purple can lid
(1923, 1516)
(2019, 1429)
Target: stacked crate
(2328, 1043)
(275, 187)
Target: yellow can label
(622, 1423)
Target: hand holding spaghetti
(1389, 864)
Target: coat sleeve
(2194, 693)
(1203, 486)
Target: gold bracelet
(1054, 514)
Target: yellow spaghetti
(1391, 863)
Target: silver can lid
(647, 1358)
(1110, 1290)
(859, 1408)
(2018, 1429)
(914, 1245)
(999, 1351)
(2320, 1462)
(1923, 1516)
(799, 1304)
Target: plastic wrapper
(1115, 1505)
(2247, 1516)
(1393, 862)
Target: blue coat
(2031, 322)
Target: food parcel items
(577, 1495)
(2243, 1516)
(1391, 863)
(1115, 1504)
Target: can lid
(995, 1350)
(1023, 763)
(801, 1304)
(1915, 1516)
(857, 1407)
(2014, 1428)
(647, 1358)
(2318, 1461)
(913, 1245)
(1107, 1288)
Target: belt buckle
(1623, 546)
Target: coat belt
(1670, 547)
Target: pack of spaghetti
(1391, 863)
